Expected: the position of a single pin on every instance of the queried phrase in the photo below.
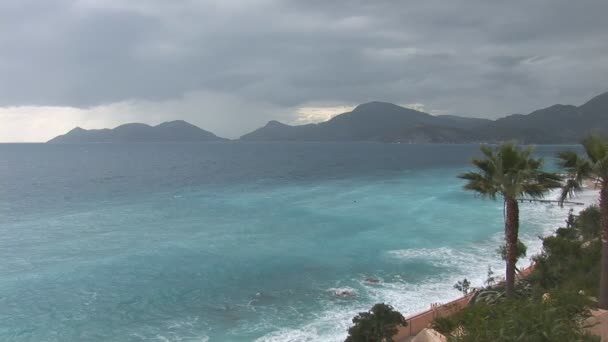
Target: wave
(470, 261)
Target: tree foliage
(571, 258)
(592, 166)
(549, 305)
(463, 286)
(379, 324)
(522, 249)
(588, 223)
(521, 319)
(510, 172)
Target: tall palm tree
(593, 166)
(510, 172)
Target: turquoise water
(236, 242)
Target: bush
(526, 319)
(377, 325)
(463, 286)
(547, 305)
(571, 259)
(588, 223)
(522, 249)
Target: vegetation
(551, 304)
(463, 286)
(490, 278)
(593, 166)
(520, 319)
(510, 172)
(570, 260)
(379, 324)
(522, 250)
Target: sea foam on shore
(471, 262)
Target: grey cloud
(477, 58)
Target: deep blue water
(236, 241)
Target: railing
(422, 320)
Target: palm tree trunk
(603, 297)
(511, 232)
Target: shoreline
(419, 321)
(413, 299)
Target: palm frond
(579, 168)
(567, 160)
(597, 151)
(595, 147)
(510, 171)
(479, 183)
(576, 166)
(549, 180)
(570, 187)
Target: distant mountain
(555, 124)
(173, 131)
(386, 122)
(373, 121)
(464, 122)
(380, 121)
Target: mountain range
(387, 122)
(173, 131)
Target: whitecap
(343, 292)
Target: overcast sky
(229, 66)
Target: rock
(372, 280)
(429, 335)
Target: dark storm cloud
(478, 58)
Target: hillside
(386, 122)
(173, 131)
(374, 121)
(380, 121)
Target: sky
(229, 66)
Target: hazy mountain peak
(603, 97)
(377, 105)
(133, 125)
(597, 104)
(383, 121)
(275, 123)
(175, 123)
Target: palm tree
(510, 172)
(593, 166)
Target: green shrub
(588, 223)
(568, 264)
(379, 324)
(463, 286)
(547, 305)
(522, 249)
(444, 325)
(525, 319)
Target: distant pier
(529, 200)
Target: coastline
(407, 224)
(421, 320)
(414, 299)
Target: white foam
(409, 298)
(331, 325)
(343, 292)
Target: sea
(239, 241)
